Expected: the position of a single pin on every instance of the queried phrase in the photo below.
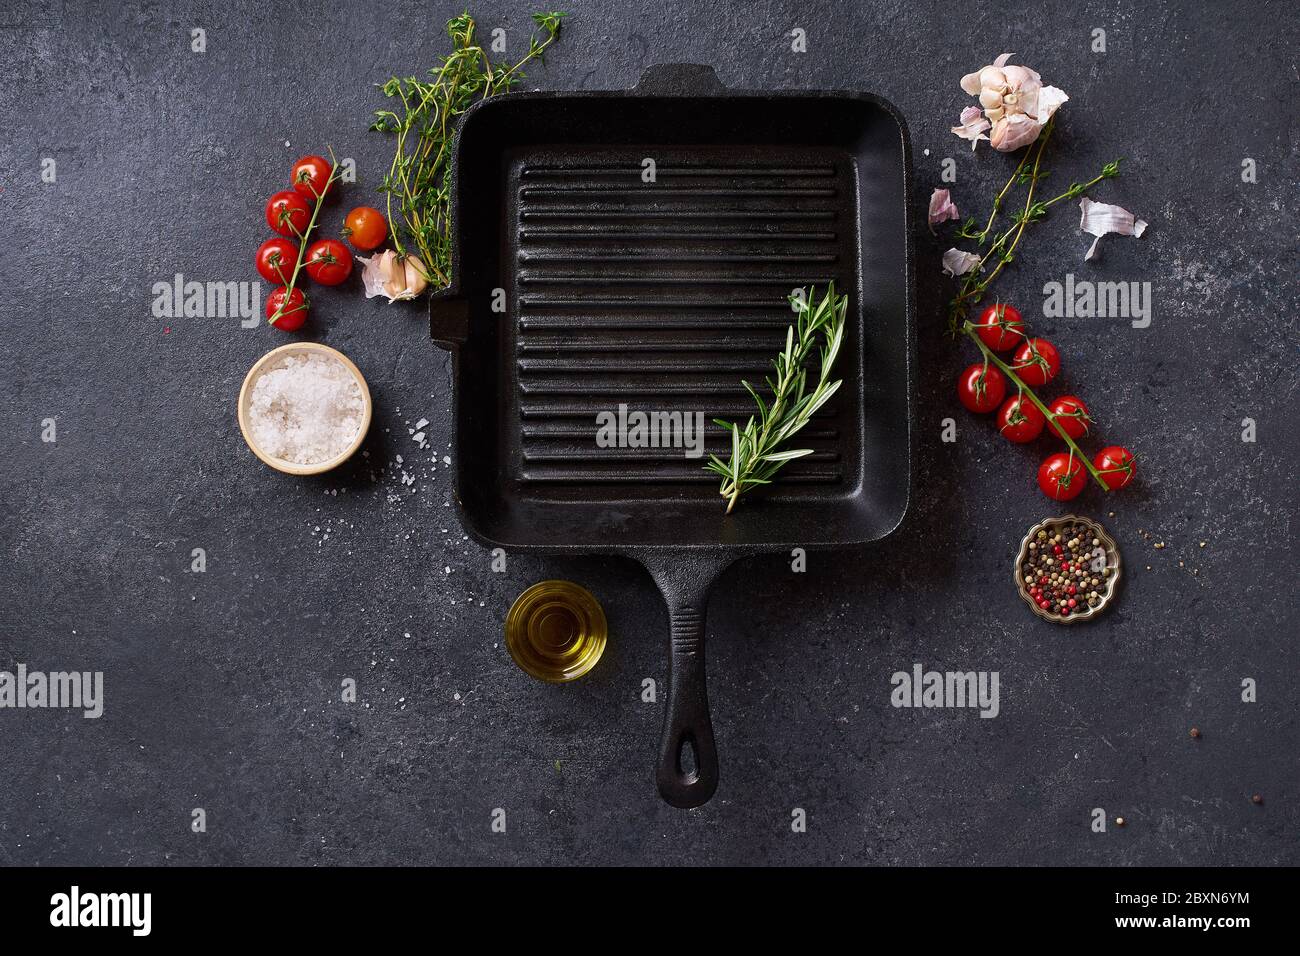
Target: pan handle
(688, 759)
(679, 79)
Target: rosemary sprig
(1029, 172)
(756, 454)
(418, 184)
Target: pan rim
(887, 107)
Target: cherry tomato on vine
(1071, 416)
(365, 228)
(294, 308)
(1036, 362)
(288, 213)
(1000, 327)
(276, 259)
(328, 261)
(1117, 466)
(1020, 420)
(981, 387)
(1062, 476)
(311, 177)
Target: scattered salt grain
(422, 423)
(305, 409)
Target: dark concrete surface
(223, 688)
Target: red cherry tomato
(1061, 476)
(365, 228)
(288, 213)
(1071, 416)
(1117, 466)
(311, 177)
(1000, 327)
(292, 309)
(981, 387)
(1020, 420)
(1036, 362)
(276, 259)
(328, 261)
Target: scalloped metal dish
(1052, 525)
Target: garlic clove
(1019, 77)
(374, 274)
(415, 276)
(1014, 131)
(970, 83)
(395, 277)
(1050, 100)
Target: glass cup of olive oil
(556, 631)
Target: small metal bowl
(246, 394)
(1109, 584)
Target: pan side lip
(472, 117)
(634, 549)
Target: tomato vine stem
(302, 244)
(990, 356)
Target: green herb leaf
(423, 120)
(756, 455)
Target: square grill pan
(638, 248)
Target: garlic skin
(1101, 219)
(972, 126)
(398, 278)
(1016, 105)
(958, 263)
(942, 208)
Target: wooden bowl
(1108, 585)
(246, 393)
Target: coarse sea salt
(305, 409)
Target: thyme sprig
(756, 454)
(1001, 246)
(418, 184)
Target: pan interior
(643, 250)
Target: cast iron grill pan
(580, 286)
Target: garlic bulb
(396, 277)
(1016, 105)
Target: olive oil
(556, 631)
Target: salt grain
(305, 409)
